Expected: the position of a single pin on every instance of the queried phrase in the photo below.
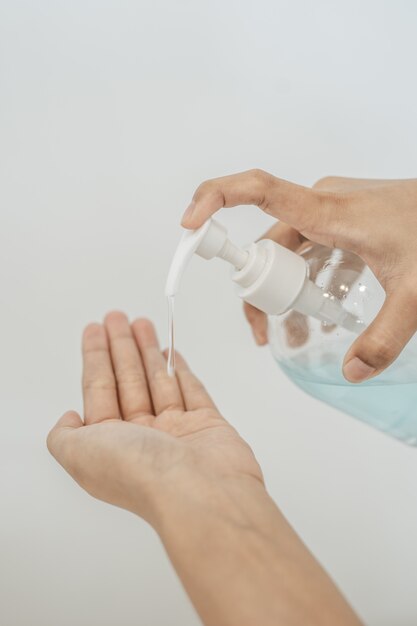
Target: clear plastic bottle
(311, 352)
(318, 301)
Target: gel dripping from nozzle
(208, 241)
(171, 339)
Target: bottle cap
(272, 277)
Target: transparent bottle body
(311, 352)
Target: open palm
(142, 427)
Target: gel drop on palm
(316, 301)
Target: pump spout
(215, 243)
(233, 255)
(208, 241)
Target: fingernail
(188, 211)
(356, 370)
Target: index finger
(275, 196)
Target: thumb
(59, 437)
(317, 214)
(381, 343)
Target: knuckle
(310, 221)
(210, 189)
(159, 374)
(327, 182)
(203, 188)
(131, 377)
(328, 219)
(332, 200)
(259, 175)
(104, 383)
(159, 377)
(379, 350)
(261, 183)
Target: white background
(111, 113)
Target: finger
(380, 344)
(164, 389)
(307, 210)
(193, 391)
(58, 440)
(99, 384)
(133, 392)
(258, 322)
(296, 329)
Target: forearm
(240, 561)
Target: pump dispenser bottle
(268, 275)
(316, 300)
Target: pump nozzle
(208, 241)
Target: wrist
(190, 495)
(238, 558)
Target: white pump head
(208, 241)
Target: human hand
(144, 433)
(157, 446)
(377, 220)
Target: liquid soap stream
(171, 346)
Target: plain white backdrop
(111, 113)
